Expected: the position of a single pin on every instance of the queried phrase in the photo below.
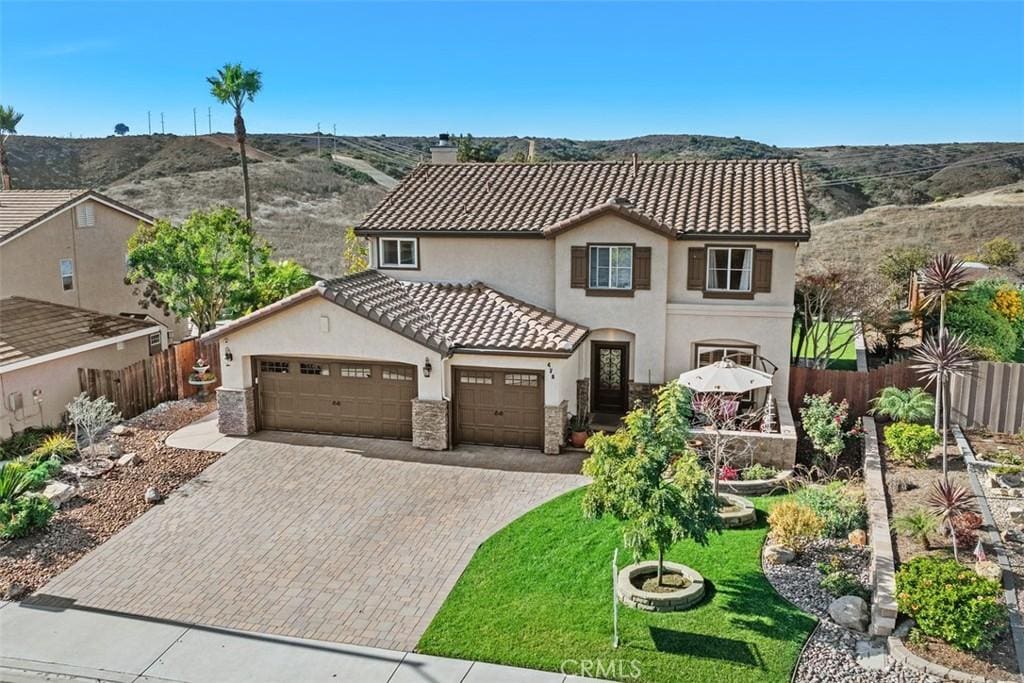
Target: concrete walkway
(202, 435)
(48, 639)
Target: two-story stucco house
(503, 297)
(69, 247)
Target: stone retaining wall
(882, 568)
(776, 450)
(757, 487)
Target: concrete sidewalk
(48, 638)
(202, 435)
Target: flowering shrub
(728, 474)
(951, 602)
(824, 424)
(1008, 303)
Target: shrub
(966, 527)
(840, 511)
(823, 421)
(840, 583)
(14, 481)
(910, 443)
(990, 334)
(42, 471)
(23, 516)
(758, 471)
(912, 405)
(951, 602)
(57, 445)
(794, 525)
(917, 524)
(1009, 303)
(23, 443)
(91, 416)
(999, 252)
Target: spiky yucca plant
(912, 405)
(948, 501)
(938, 359)
(943, 275)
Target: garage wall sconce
(427, 367)
(228, 356)
(551, 371)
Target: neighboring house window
(86, 215)
(155, 345)
(730, 269)
(67, 274)
(708, 354)
(611, 267)
(398, 252)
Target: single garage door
(336, 397)
(499, 407)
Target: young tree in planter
(719, 412)
(199, 269)
(644, 476)
(939, 358)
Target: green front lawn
(846, 360)
(538, 594)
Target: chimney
(444, 152)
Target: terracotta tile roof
(21, 209)
(31, 328)
(444, 317)
(451, 317)
(685, 198)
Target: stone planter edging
(899, 653)
(882, 568)
(673, 601)
(744, 516)
(757, 487)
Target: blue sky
(788, 74)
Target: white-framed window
(611, 267)
(730, 269)
(85, 215)
(67, 274)
(712, 353)
(398, 252)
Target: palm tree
(234, 85)
(904, 406)
(943, 275)
(9, 120)
(950, 501)
(939, 358)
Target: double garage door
(330, 397)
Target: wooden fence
(991, 395)
(151, 381)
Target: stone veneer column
(236, 411)
(430, 425)
(583, 396)
(555, 418)
(641, 391)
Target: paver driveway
(347, 540)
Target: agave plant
(949, 501)
(911, 405)
(938, 359)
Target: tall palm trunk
(939, 386)
(4, 170)
(240, 138)
(945, 428)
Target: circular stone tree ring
(738, 511)
(669, 601)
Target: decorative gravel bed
(108, 504)
(830, 653)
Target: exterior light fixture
(228, 356)
(551, 371)
(427, 367)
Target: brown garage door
(336, 397)
(499, 407)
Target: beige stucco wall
(783, 270)
(520, 267)
(297, 331)
(30, 265)
(59, 381)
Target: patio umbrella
(725, 377)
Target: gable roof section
(753, 198)
(21, 210)
(445, 317)
(31, 329)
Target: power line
(968, 162)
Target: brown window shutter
(763, 270)
(578, 279)
(696, 268)
(641, 267)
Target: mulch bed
(908, 489)
(110, 503)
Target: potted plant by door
(578, 430)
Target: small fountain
(201, 377)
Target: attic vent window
(85, 215)
(620, 201)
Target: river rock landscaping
(108, 502)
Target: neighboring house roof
(757, 198)
(21, 210)
(445, 317)
(32, 330)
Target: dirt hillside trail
(227, 141)
(379, 177)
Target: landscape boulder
(152, 496)
(850, 611)
(93, 467)
(104, 449)
(778, 554)
(989, 570)
(128, 459)
(1016, 514)
(58, 493)
(121, 430)
(1011, 536)
(15, 591)
(858, 538)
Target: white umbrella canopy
(725, 377)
